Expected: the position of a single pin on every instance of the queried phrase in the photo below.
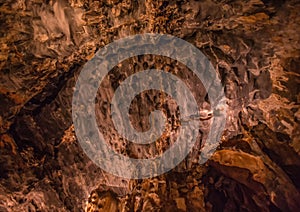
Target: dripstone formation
(254, 47)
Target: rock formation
(253, 45)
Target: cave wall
(255, 49)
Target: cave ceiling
(254, 47)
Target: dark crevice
(52, 90)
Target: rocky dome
(254, 47)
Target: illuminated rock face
(256, 50)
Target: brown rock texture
(255, 48)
